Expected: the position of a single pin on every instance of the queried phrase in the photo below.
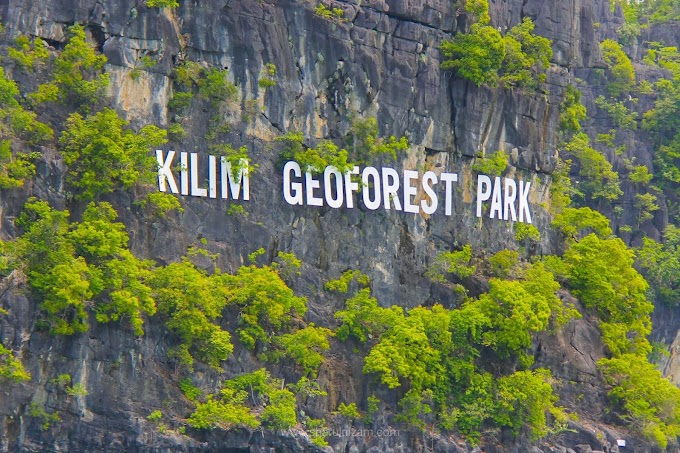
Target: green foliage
(456, 263)
(362, 318)
(478, 11)
(11, 368)
(73, 264)
(666, 57)
(228, 409)
(561, 188)
(26, 54)
(476, 56)
(268, 79)
(526, 231)
(62, 380)
(191, 300)
(76, 74)
(602, 276)
(162, 3)
(619, 113)
(336, 14)
(190, 391)
(316, 428)
(18, 123)
(433, 352)
(238, 158)
(660, 263)
(643, 397)
(77, 389)
(225, 412)
(622, 72)
(523, 399)
(307, 388)
(161, 203)
(527, 56)
(102, 155)
(372, 409)
(122, 277)
(214, 86)
(640, 175)
(598, 179)
(493, 165)
(366, 145)
(362, 141)
(415, 405)
(305, 346)
(646, 204)
(280, 413)
(265, 302)
(53, 270)
(155, 416)
(188, 74)
(513, 313)
(287, 265)
(662, 120)
(180, 101)
(628, 33)
(236, 210)
(659, 11)
(404, 351)
(572, 112)
(502, 263)
(176, 132)
(341, 284)
(314, 159)
(484, 56)
(14, 169)
(578, 222)
(47, 419)
(349, 411)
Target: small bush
(493, 165)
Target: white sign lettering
(412, 192)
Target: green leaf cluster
(265, 303)
(572, 112)
(192, 301)
(457, 263)
(485, 57)
(622, 72)
(27, 54)
(602, 276)
(649, 402)
(619, 113)
(306, 346)
(162, 3)
(362, 141)
(335, 14)
(433, 353)
(72, 265)
(77, 77)
(274, 404)
(103, 155)
(660, 263)
(18, 126)
(494, 165)
(598, 178)
(11, 368)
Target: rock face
(381, 59)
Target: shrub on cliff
(103, 155)
(77, 77)
(11, 368)
(485, 57)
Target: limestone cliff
(381, 60)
